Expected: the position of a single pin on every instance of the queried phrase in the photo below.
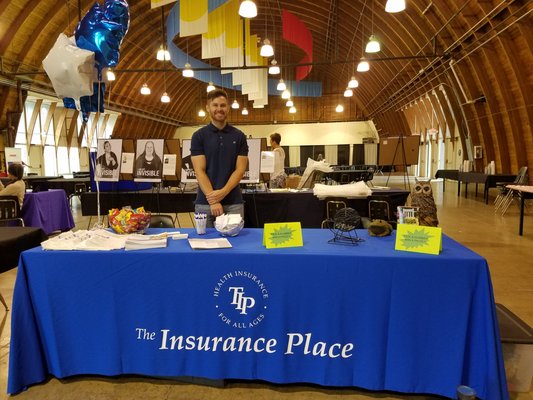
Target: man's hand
(216, 196)
(217, 209)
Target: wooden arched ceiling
(466, 64)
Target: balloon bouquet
(75, 64)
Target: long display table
(259, 207)
(488, 181)
(363, 316)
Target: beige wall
(304, 134)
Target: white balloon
(70, 69)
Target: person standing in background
(219, 155)
(278, 177)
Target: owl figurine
(421, 196)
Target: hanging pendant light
(292, 110)
(286, 94)
(145, 90)
(274, 68)
(244, 111)
(248, 9)
(210, 87)
(110, 75)
(201, 113)
(348, 92)
(165, 98)
(266, 49)
(281, 86)
(289, 103)
(373, 45)
(187, 72)
(163, 54)
(363, 65)
(339, 108)
(394, 6)
(353, 83)
(235, 105)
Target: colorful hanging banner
(193, 17)
(159, 3)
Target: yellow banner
(159, 3)
(282, 234)
(419, 239)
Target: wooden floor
(468, 221)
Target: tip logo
(240, 299)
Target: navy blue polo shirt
(221, 147)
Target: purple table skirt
(48, 210)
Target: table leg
(486, 194)
(458, 187)
(466, 190)
(443, 184)
(521, 228)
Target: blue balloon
(102, 29)
(88, 104)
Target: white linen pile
(103, 240)
(350, 190)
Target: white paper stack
(140, 242)
(204, 244)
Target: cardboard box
(292, 181)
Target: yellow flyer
(419, 239)
(282, 234)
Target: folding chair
(332, 206)
(10, 211)
(506, 196)
(79, 189)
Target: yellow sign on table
(417, 238)
(282, 234)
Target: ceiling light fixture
(248, 9)
(266, 49)
(210, 87)
(353, 83)
(281, 86)
(394, 6)
(348, 92)
(289, 103)
(201, 113)
(145, 90)
(165, 98)
(235, 105)
(292, 110)
(339, 108)
(363, 65)
(110, 75)
(187, 72)
(274, 68)
(163, 54)
(244, 111)
(286, 94)
(373, 45)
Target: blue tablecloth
(48, 210)
(337, 315)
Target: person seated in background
(16, 187)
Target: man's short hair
(16, 170)
(276, 137)
(213, 94)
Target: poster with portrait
(149, 160)
(108, 156)
(251, 175)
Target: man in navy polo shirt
(219, 155)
